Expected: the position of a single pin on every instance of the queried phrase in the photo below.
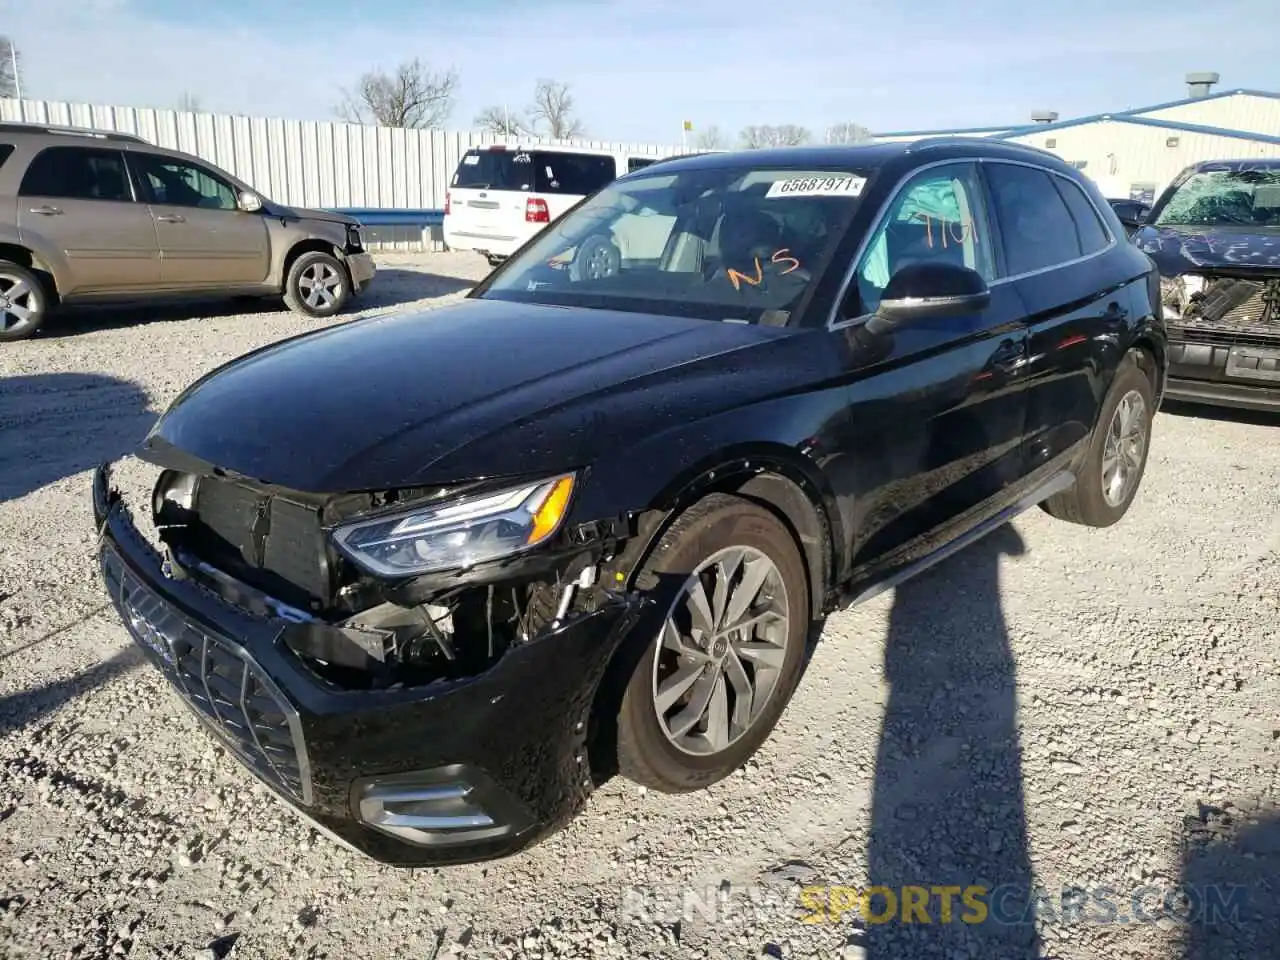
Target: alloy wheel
(723, 646)
(1123, 449)
(320, 284)
(19, 303)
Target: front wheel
(1113, 468)
(23, 302)
(317, 285)
(725, 649)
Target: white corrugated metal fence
(301, 162)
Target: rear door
(937, 411)
(1054, 244)
(488, 198)
(206, 240)
(80, 201)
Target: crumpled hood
(477, 389)
(1178, 250)
(308, 213)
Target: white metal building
(1132, 153)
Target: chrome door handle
(47, 211)
(170, 218)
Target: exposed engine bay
(1234, 304)
(269, 552)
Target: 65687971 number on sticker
(839, 185)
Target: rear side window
(573, 173)
(77, 173)
(494, 170)
(1093, 235)
(5, 150)
(1036, 228)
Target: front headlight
(458, 533)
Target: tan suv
(95, 216)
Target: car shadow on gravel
(74, 321)
(1201, 411)
(394, 286)
(947, 803)
(1230, 885)
(55, 425)
(18, 710)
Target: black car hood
(1243, 249)
(477, 389)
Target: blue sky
(640, 67)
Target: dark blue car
(1215, 236)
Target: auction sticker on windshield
(834, 186)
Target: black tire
(645, 752)
(1086, 502)
(312, 269)
(32, 299)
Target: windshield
(1224, 198)
(719, 243)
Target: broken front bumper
(454, 772)
(1240, 375)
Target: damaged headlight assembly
(458, 533)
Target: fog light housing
(442, 806)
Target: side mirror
(932, 288)
(249, 202)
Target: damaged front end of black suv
(428, 718)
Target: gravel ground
(1056, 707)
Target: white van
(502, 195)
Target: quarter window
(178, 184)
(77, 173)
(1036, 228)
(937, 215)
(1093, 235)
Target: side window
(572, 173)
(1036, 227)
(180, 184)
(1093, 235)
(638, 163)
(937, 215)
(5, 150)
(77, 173)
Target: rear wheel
(23, 302)
(723, 654)
(1113, 468)
(317, 285)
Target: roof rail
(952, 141)
(6, 127)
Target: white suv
(500, 196)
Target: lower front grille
(1233, 310)
(237, 701)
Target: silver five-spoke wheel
(22, 302)
(1124, 447)
(320, 285)
(722, 650)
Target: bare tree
(784, 135)
(710, 139)
(413, 96)
(10, 68)
(500, 121)
(553, 105)
(188, 103)
(848, 132)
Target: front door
(937, 408)
(79, 202)
(1052, 240)
(206, 240)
